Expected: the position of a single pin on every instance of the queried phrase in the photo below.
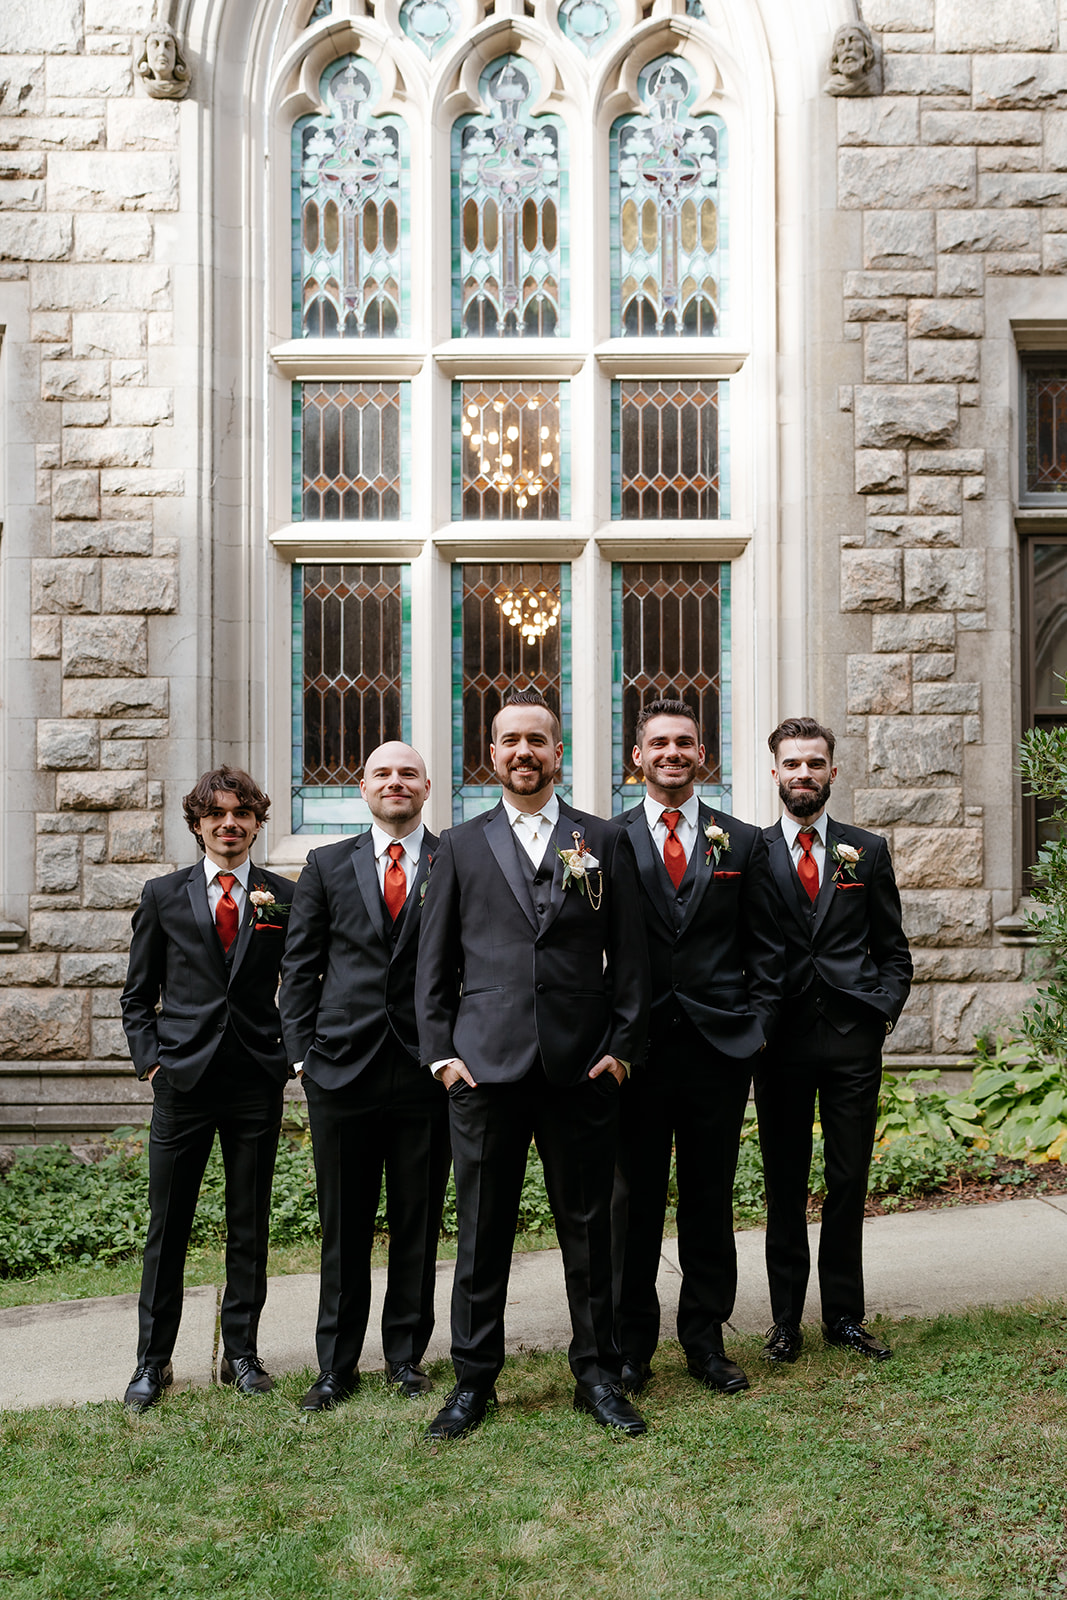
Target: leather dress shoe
(854, 1336)
(328, 1390)
(607, 1404)
(247, 1374)
(463, 1411)
(635, 1375)
(716, 1371)
(146, 1387)
(783, 1344)
(409, 1378)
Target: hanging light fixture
(533, 611)
(495, 443)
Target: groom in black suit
(532, 1000)
(715, 949)
(848, 973)
(348, 1014)
(202, 1027)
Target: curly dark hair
(226, 780)
(800, 728)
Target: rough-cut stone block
(20, 194)
(110, 334)
(64, 822)
(115, 697)
(75, 494)
(881, 808)
(134, 728)
(879, 684)
(981, 127)
(885, 355)
(75, 380)
(948, 697)
(899, 530)
(102, 538)
(899, 16)
(27, 971)
(84, 414)
(915, 751)
(882, 285)
(107, 447)
(25, 237)
(109, 1041)
(1004, 81)
(125, 16)
(879, 471)
(93, 931)
(984, 231)
(142, 482)
(46, 638)
(142, 125)
(926, 74)
(916, 633)
(141, 586)
(938, 858)
(54, 29)
(989, 25)
(898, 239)
(905, 179)
(870, 580)
(948, 580)
(1055, 153)
(144, 286)
(937, 462)
(51, 133)
(894, 309)
(964, 1012)
(142, 407)
(104, 647)
(946, 319)
(966, 966)
(928, 669)
(877, 121)
(110, 888)
(112, 181)
(67, 745)
(101, 791)
(43, 1025)
(112, 237)
(1022, 265)
(960, 275)
(135, 836)
(1054, 253)
(66, 586)
(58, 863)
(1008, 158)
(930, 497)
(947, 917)
(22, 86)
(94, 848)
(90, 971)
(943, 360)
(889, 415)
(1022, 188)
(87, 77)
(126, 754)
(913, 1032)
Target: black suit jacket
(178, 964)
(723, 963)
(848, 952)
(347, 984)
(497, 988)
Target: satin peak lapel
(704, 870)
(786, 879)
(196, 888)
(648, 871)
(246, 925)
(498, 838)
(367, 878)
(827, 888)
(569, 823)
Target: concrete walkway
(919, 1263)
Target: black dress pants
(845, 1072)
(576, 1130)
(392, 1118)
(692, 1097)
(240, 1102)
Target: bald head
(395, 787)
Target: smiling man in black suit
(848, 973)
(348, 1014)
(207, 943)
(717, 971)
(532, 1000)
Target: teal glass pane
(589, 23)
(668, 214)
(323, 9)
(511, 450)
(351, 196)
(430, 23)
(511, 627)
(670, 639)
(351, 685)
(351, 456)
(693, 8)
(669, 455)
(509, 204)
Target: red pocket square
(852, 886)
(267, 927)
(719, 875)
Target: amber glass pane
(352, 668)
(669, 450)
(511, 451)
(351, 451)
(1046, 430)
(495, 653)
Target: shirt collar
(791, 827)
(412, 841)
(690, 811)
(550, 810)
(211, 872)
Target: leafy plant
(1043, 764)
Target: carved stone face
(161, 54)
(852, 55)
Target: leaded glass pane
(671, 640)
(1046, 429)
(350, 212)
(668, 220)
(1050, 626)
(589, 23)
(510, 627)
(430, 22)
(509, 211)
(510, 463)
(667, 450)
(350, 452)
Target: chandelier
(494, 440)
(533, 611)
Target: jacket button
(222, 1027)
(390, 1009)
(540, 988)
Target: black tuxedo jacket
(497, 986)
(178, 964)
(722, 962)
(348, 977)
(848, 949)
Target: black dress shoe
(635, 1375)
(463, 1411)
(854, 1336)
(328, 1390)
(146, 1387)
(783, 1344)
(606, 1404)
(409, 1378)
(715, 1371)
(247, 1374)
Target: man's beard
(508, 776)
(804, 802)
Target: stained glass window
(349, 459)
(511, 451)
(671, 640)
(430, 22)
(510, 627)
(668, 450)
(350, 212)
(509, 211)
(1046, 428)
(351, 685)
(589, 23)
(668, 219)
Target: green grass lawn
(940, 1473)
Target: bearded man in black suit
(348, 1015)
(848, 973)
(202, 1027)
(717, 969)
(532, 1000)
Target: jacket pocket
(718, 876)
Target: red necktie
(807, 871)
(226, 913)
(396, 883)
(673, 852)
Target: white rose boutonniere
(269, 911)
(848, 858)
(718, 843)
(580, 866)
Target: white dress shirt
(791, 827)
(412, 843)
(239, 892)
(534, 829)
(687, 830)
